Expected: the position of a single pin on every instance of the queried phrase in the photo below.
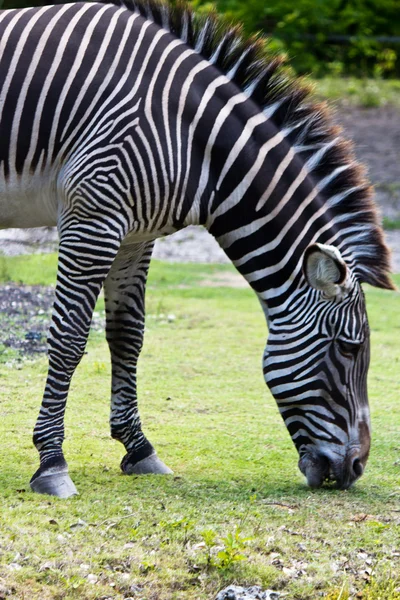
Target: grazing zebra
(121, 123)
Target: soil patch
(24, 318)
(232, 280)
(376, 136)
(25, 314)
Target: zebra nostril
(357, 467)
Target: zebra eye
(348, 348)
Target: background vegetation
(359, 37)
(323, 37)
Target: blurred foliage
(308, 30)
(322, 37)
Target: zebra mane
(308, 125)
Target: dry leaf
(361, 517)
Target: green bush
(325, 36)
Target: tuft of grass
(391, 224)
(385, 585)
(30, 269)
(237, 509)
(5, 275)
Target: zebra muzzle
(316, 469)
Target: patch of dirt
(193, 244)
(24, 318)
(232, 280)
(376, 135)
(393, 241)
(25, 314)
(28, 241)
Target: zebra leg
(83, 265)
(124, 291)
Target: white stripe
(165, 106)
(157, 145)
(276, 178)
(224, 113)
(240, 143)
(237, 195)
(208, 96)
(187, 86)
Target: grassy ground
(237, 509)
(390, 224)
(368, 93)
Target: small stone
(46, 566)
(4, 591)
(302, 547)
(234, 592)
(334, 567)
(128, 545)
(199, 546)
(79, 523)
(33, 336)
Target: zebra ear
(325, 269)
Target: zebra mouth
(316, 469)
(319, 470)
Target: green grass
(41, 269)
(391, 224)
(207, 410)
(367, 93)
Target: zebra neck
(266, 214)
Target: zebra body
(120, 124)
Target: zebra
(128, 120)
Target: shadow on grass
(193, 490)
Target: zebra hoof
(54, 482)
(151, 465)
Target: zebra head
(316, 364)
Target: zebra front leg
(83, 265)
(124, 291)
